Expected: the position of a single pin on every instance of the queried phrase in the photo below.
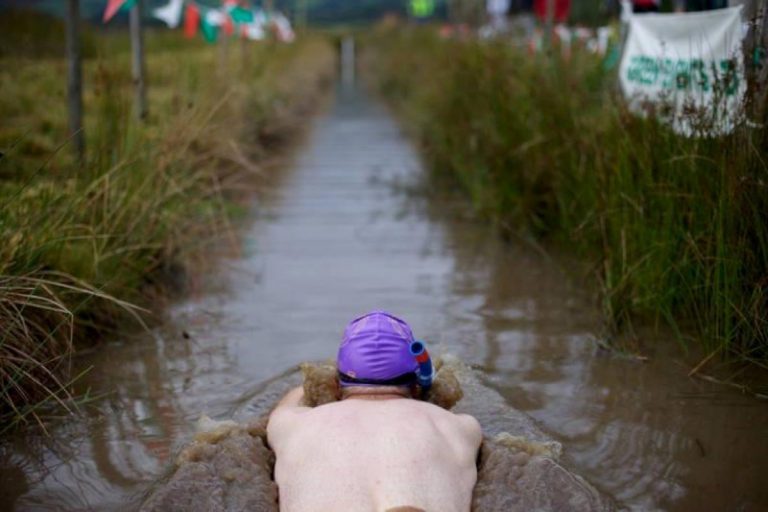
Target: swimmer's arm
(284, 415)
(471, 429)
(294, 398)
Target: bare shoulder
(285, 415)
(467, 426)
(470, 426)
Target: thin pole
(75, 79)
(550, 22)
(137, 61)
(224, 51)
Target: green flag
(209, 30)
(127, 6)
(241, 15)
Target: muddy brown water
(343, 233)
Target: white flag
(170, 14)
(215, 18)
(284, 29)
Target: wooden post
(760, 43)
(550, 23)
(137, 61)
(223, 61)
(75, 79)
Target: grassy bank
(87, 246)
(674, 229)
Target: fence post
(75, 79)
(137, 60)
(549, 23)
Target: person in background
(377, 449)
(643, 6)
(497, 13)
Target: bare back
(374, 455)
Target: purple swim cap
(376, 350)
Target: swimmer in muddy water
(378, 448)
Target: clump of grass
(673, 227)
(87, 246)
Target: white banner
(688, 68)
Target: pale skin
(376, 450)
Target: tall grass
(87, 246)
(675, 229)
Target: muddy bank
(228, 467)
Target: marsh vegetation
(90, 245)
(673, 229)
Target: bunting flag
(254, 32)
(257, 29)
(228, 27)
(214, 18)
(191, 20)
(210, 23)
(231, 18)
(240, 15)
(283, 29)
(170, 13)
(210, 32)
(112, 7)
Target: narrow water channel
(348, 230)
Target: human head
(375, 353)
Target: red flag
(229, 27)
(112, 8)
(191, 20)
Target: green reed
(674, 229)
(86, 246)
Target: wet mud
(517, 475)
(228, 467)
